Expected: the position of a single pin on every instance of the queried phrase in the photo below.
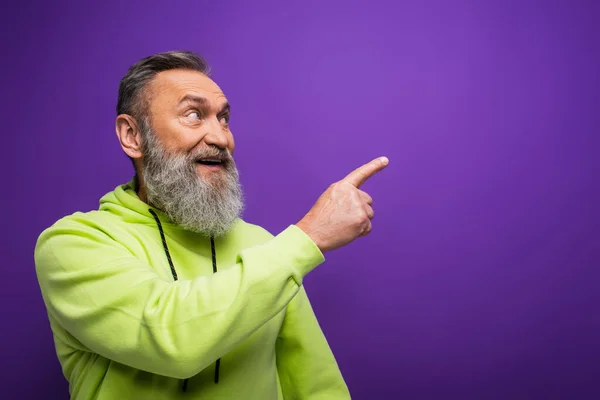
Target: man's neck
(140, 189)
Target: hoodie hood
(125, 203)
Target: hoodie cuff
(302, 253)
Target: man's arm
(118, 307)
(306, 366)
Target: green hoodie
(142, 309)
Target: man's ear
(129, 136)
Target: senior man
(164, 292)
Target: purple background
(480, 279)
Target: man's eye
(224, 119)
(194, 115)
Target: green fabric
(124, 329)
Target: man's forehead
(177, 84)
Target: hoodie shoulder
(81, 221)
(93, 218)
(255, 231)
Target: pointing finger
(360, 175)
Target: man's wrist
(314, 238)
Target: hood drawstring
(214, 262)
(174, 273)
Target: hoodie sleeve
(306, 366)
(118, 307)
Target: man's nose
(216, 134)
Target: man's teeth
(210, 161)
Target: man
(165, 292)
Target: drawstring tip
(217, 367)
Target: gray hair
(132, 98)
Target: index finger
(360, 175)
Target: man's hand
(343, 212)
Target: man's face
(188, 112)
(187, 166)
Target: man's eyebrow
(202, 102)
(192, 98)
(225, 108)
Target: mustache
(212, 152)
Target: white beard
(208, 206)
